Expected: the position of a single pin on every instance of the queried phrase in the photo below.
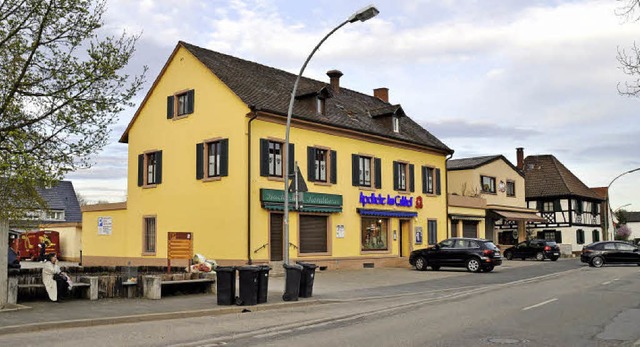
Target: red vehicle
(28, 243)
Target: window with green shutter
(180, 104)
(212, 159)
(150, 169)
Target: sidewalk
(328, 286)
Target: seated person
(55, 281)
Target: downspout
(255, 115)
(446, 192)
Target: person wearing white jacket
(55, 281)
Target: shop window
(272, 158)
(506, 238)
(212, 159)
(180, 104)
(149, 236)
(321, 165)
(488, 184)
(432, 232)
(375, 234)
(313, 234)
(511, 188)
(365, 171)
(150, 169)
(403, 176)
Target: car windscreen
(551, 243)
(491, 246)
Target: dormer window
(320, 105)
(396, 124)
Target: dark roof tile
(546, 176)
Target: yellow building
(487, 199)
(206, 166)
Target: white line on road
(540, 304)
(605, 283)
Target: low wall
(109, 279)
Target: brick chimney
(382, 94)
(520, 157)
(334, 78)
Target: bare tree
(629, 58)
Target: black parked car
(538, 249)
(475, 254)
(610, 252)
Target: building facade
(206, 166)
(500, 185)
(572, 211)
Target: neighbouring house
(62, 214)
(633, 222)
(487, 199)
(571, 210)
(206, 172)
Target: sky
(484, 76)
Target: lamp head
(364, 14)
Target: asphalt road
(552, 304)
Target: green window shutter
(558, 236)
(190, 100)
(355, 170)
(311, 167)
(424, 179)
(556, 205)
(579, 207)
(264, 157)
(539, 206)
(140, 170)
(594, 208)
(377, 167)
(412, 178)
(199, 161)
(334, 167)
(169, 107)
(395, 175)
(224, 157)
(438, 189)
(158, 167)
(292, 159)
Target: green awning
(312, 208)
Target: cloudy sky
(484, 76)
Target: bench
(152, 285)
(89, 284)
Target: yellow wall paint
(216, 211)
(467, 182)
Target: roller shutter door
(313, 234)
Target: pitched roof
(476, 162)
(268, 89)
(546, 176)
(62, 196)
(601, 191)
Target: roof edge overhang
(294, 118)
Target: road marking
(605, 283)
(540, 304)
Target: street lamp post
(362, 15)
(609, 195)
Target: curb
(82, 323)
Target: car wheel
(473, 265)
(540, 256)
(421, 263)
(508, 255)
(488, 268)
(435, 267)
(597, 262)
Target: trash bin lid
(292, 266)
(226, 268)
(248, 268)
(264, 267)
(307, 265)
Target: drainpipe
(446, 192)
(255, 115)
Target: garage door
(469, 229)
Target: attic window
(396, 124)
(320, 102)
(180, 104)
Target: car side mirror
(635, 250)
(436, 247)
